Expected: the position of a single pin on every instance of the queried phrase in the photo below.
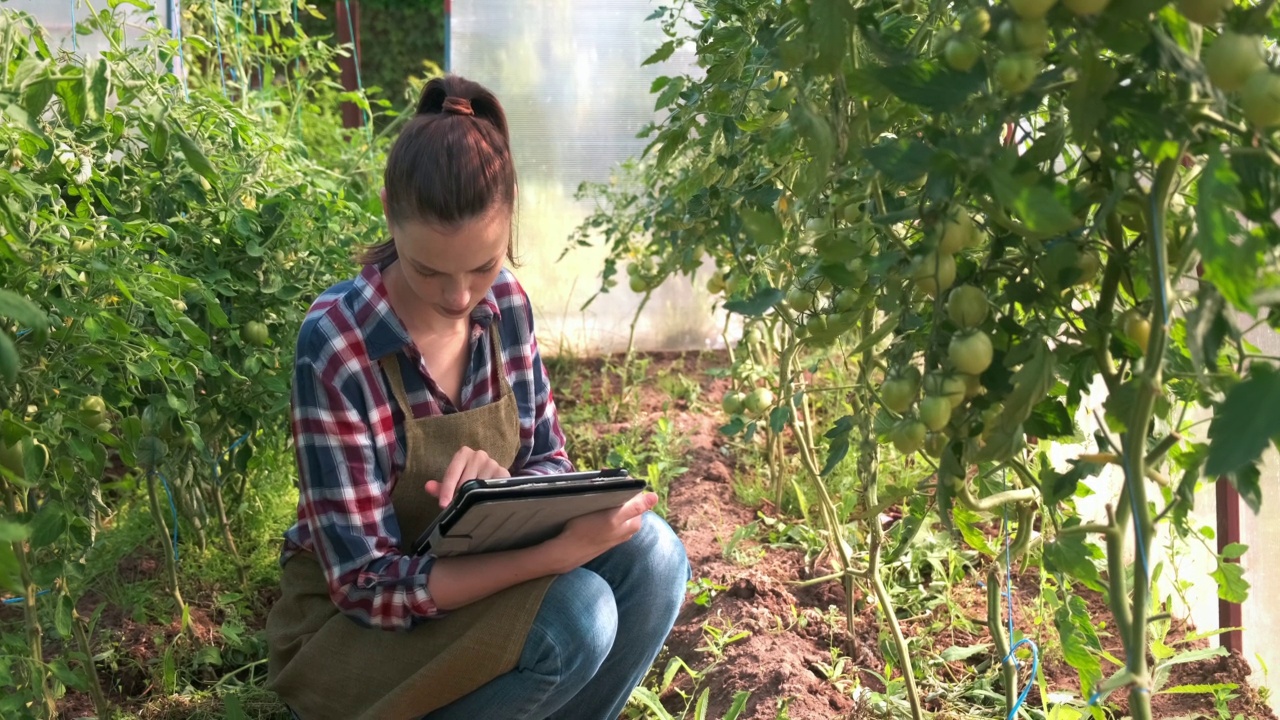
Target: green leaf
(646, 698)
(738, 705)
(758, 304)
(13, 532)
(969, 524)
(1232, 586)
(1071, 555)
(1031, 383)
(62, 617)
(956, 653)
(1245, 421)
(1050, 419)
(902, 160)
(930, 84)
(828, 31)
(233, 707)
(1048, 146)
(98, 89)
(662, 53)
(1060, 486)
(1080, 644)
(1206, 689)
(22, 311)
(9, 361)
(151, 450)
(761, 226)
(1231, 255)
(196, 158)
(48, 525)
(1042, 211)
(1234, 551)
(1086, 102)
(10, 577)
(35, 97)
(71, 92)
(1248, 482)
(819, 137)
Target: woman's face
(449, 270)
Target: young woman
(420, 373)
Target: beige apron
(324, 665)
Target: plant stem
(166, 545)
(31, 616)
(868, 470)
(78, 624)
(226, 535)
(1008, 669)
(1135, 444)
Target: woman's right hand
(589, 536)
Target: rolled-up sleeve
(345, 503)
(548, 455)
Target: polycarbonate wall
(56, 18)
(569, 75)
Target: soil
(786, 636)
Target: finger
(449, 482)
(476, 467)
(637, 506)
(433, 487)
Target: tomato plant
(1010, 201)
(157, 253)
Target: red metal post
(1230, 615)
(352, 116)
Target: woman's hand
(467, 464)
(589, 536)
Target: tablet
(510, 513)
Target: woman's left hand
(467, 464)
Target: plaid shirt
(348, 433)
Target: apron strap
(391, 366)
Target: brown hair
(451, 162)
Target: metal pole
(352, 117)
(1230, 615)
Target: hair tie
(457, 106)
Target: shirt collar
(384, 334)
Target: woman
(420, 373)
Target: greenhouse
(623, 359)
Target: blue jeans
(594, 638)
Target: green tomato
(1085, 8)
(1032, 35)
(935, 412)
(758, 401)
(778, 80)
(955, 231)
(11, 458)
(846, 299)
(638, 284)
(945, 385)
(1066, 264)
(715, 283)
(851, 213)
(1016, 72)
(799, 300)
(1031, 9)
(961, 53)
(970, 352)
(897, 394)
(733, 402)
(967, 306)
(255, 333)
(935, 444)
(1232, 59)
(1260, 99)
(1138, 329)
(934, 272)
(975, 22)
(1205, 12)
(908, 436)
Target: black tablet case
(510, 513)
